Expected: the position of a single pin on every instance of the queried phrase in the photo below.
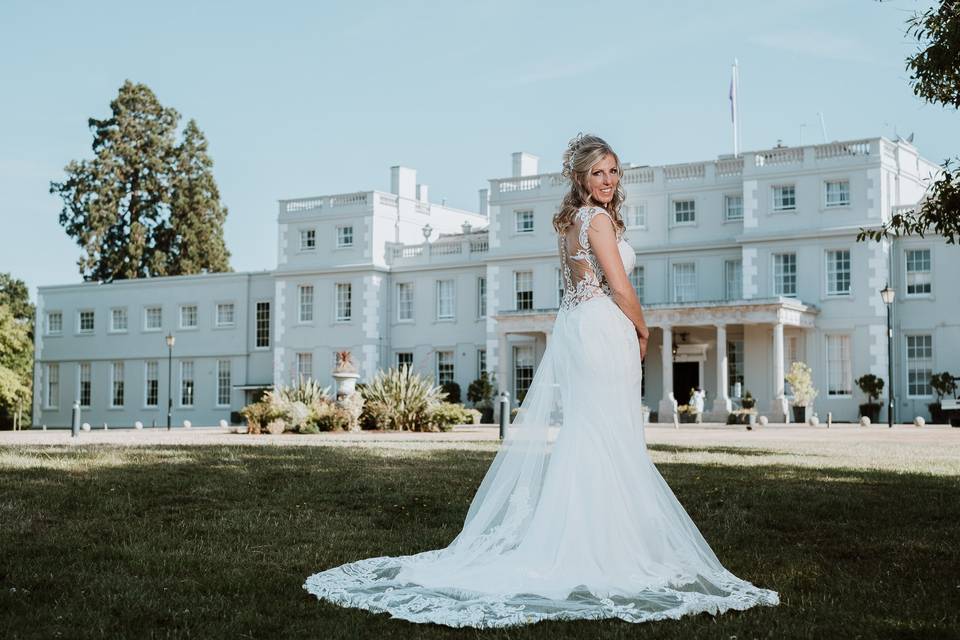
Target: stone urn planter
(345, 374)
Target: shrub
(404, 396)
(375, 415)
(801, 381)
(452, 389)
(482, 389)
(475, 416)
(943, 384)
(871, 385)
(308, 391)
(259, 414)
(740, 416)
(443, 416)
(748, 401)
(331, 417)
(309, 428)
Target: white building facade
(744, 265)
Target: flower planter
(799, 414)
(871, 410)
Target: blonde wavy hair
(582, 153)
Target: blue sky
(305, 98)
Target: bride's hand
(643, 345)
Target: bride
(572, 520)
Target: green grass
(216, 541)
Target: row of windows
(343, 302)
(445, 299)
(116, 386)
(308, 238)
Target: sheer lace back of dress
(583, 278)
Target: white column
(778, 407)
(668, 404)
(721, 404)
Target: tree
(129, 209)
(14, 296)
(16, 364)
(935, 77)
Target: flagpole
(735, 107)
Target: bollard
(75, 430)
(504, 413)
(829, 418)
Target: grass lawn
(216, 541)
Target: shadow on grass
(216, 542)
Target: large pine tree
(129, 208)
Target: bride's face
(603, 179)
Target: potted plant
(872, 386)
(801, 381)
(943, 384)
(480, 393)
(345, 374)
(749, 402)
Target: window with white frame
(223, 383)
(919, 280)
(919, 365)
(481, 362)
(84, 384)
(839, 380)
(522, 370)
(733, 207)
(151, 383)
(785, 274)
(735, 366)
(637, 279)
(482, 297)
(116, 384)
(524, 221)
(262, 324)
(523, 287)
(85, 321)
(637, 214)
(225, 314)
(345, 236)
(52, 378)
(784, 197)
(405, 359)
(344, 301)
(305, 296)
(189, 316)
(54, 323)
(684, 282)
(684, 211)
(186, 383)
(733, 279)
(304, 366)
(153, 318)
(838, 272)
(445, 371)
(836, 193)
(445, 299)
(404, 301)
(118, 319)
(308, 239)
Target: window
(733, 207)
(839, 381)
(684, 282)
(305, 292)
(84, 384)
(637, 280)
(918, 272)
(523, 285)
(404, 301)
(52, 398)
(733, 279)
(308, 239)
(118, 319)
(225, 314)
(559, 277)
(262, 325)
(152, 318)
(445, 296)
(785, 274)
(54, 322)
(345, 236)
(735, 366)
(116, 384)
(445, 371)
(636, 215)
(481, 297)
(304, 366)
(186, 383)
(838, 273)
(151, 384)
(481, 362)
(85, 321)
(784, 197)
(522, 370)
(188, 316)
(524, 220)
(684, 212)
(223, 383)
(919, 365)
(405, 359)
(344, 311)
(837, 193)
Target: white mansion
(744, 265)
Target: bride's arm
(603, 239)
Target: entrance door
(686, 375)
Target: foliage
(444, 416)
(144, 205)
(353, 405)
(452, 389)
(329, 416)
(801, 381)
(16, 364)
(306, 390)
(259, 414)
(748, 401)
(943, 384)
(15, 297)
(871, 385)
(740, 416)
(403, 397)
(376, 415)
(481, 391)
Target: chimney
(403, 181)
(524, 164)
(423, 193)
(484, 202)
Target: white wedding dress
(572, 520)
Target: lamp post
(887, 294)
(170, 341)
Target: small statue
(345, 363)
